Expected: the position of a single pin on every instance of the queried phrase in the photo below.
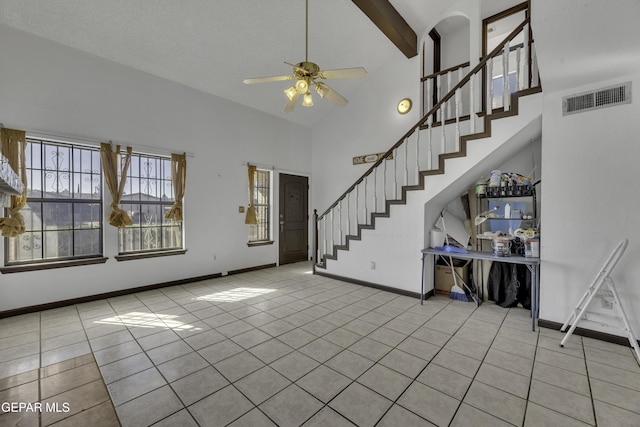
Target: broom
(457, 292)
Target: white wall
(455, 44)
(57, 90)
(369, 124)
(589, 200)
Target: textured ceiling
(212, 45)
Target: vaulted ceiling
(212, 45)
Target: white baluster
(349, 213)
(490, 86)
(449, 74)
(395, 174)
(357, 205)
(366, 220)
(406, 163)
(429, 140)
(525, 77)
(506, 92)
(429, 100)
(324, 236)
(443, 138)
(384, 181)
(535, 80)
(375, 190)
(418, 153)
(339, 207)
(438, 90)
(518, 64)
(458, 111)
(331, 231)
(472, 103)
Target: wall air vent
(595, 99)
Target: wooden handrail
(433, 110)
(464, 64)
(445, 71)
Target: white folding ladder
(603, 289)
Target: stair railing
(402, 168)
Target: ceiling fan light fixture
(291, 92)
(307, 101)
(302, 86)
(305, 74)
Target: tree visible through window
(261, 232)
(147, 197)
(63, 214)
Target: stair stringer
(395, 243)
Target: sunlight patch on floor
(237, 294)
(148, 320)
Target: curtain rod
(260, 165)
(274, 168)
(143, 149)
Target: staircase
(442, 133)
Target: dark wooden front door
(293, 219)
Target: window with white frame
(147, 197)
(63, 214)
(261, 232)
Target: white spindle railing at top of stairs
(403, 167)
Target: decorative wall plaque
(370, 158)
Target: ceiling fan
(306, 73)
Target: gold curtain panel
(178, 180)
(251, 217)
(14, 143)
(118, 217)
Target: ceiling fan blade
(326, 92)
(266, 79)
(344, 73)
(291, 104)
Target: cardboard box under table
(444, 276)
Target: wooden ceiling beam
(392, 24)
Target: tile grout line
(586, 367)
(533, 366)
(40, 365)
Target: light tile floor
(284, 347)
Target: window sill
(49, 265)
(261, 243)
(145, 255)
